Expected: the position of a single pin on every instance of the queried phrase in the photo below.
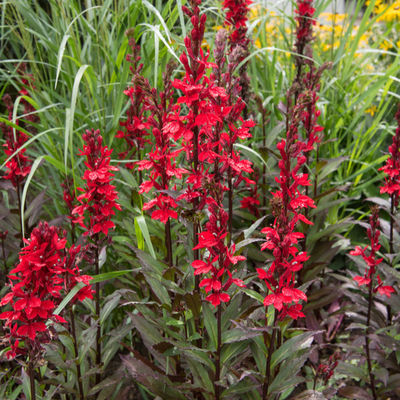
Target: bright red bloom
(372, 261)
(134, 128)
(20, 165)
(46, 269)
(222, 257)
(160, 162)
(305, 13)
(99, 198)
(286, 204)
(392, 167)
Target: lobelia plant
(304, 36)
(373, 282)
(161, 161)
(201, 129)
(237, 17)
(392, 181)
(135, 127)
(46, 271)
(98, 201)
(19, 166)
(282, 237)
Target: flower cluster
(236, 16)
(326, 371)
(305, 13)
(99, 196)
(220, 256)
(161, 161)
(213, 105)
(252, 202)
(371, 259)
(286, 204)
(208, 132)
(304, 36)
(20, 165)
(46, 268)
(135, 126)
(392, 166)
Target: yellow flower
(393, 11)
(205, 45)
(385, 45)
(372, 110)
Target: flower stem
(391, 225)
(168, 242)
(78, 365)
(20, 210)
(4, 257)
(218, 355)
(32, 379)
(371, 375)
(98, 335)
(264, 180)
(391, 249)
(270, 351)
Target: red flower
(30, 329)
(20, 165)
(372, 261)
(134, 128)
(392, 166)
(282, 238)
(99, 196)
(45, 269)
(216, 298)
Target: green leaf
(70, 115)
(60, 56)
(210, 322)
(291, 346)
(110, 275)
(69, 297)
(25, 191)
(110, 303)
(248, 232)
(143, 227)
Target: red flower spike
(161, 161)
(46, 271)
(286, 204)
(392, 166)
(134, 128)
(371, 259)
(99, 198)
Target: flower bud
(194, 20)
(187, 11)
(188, 42)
